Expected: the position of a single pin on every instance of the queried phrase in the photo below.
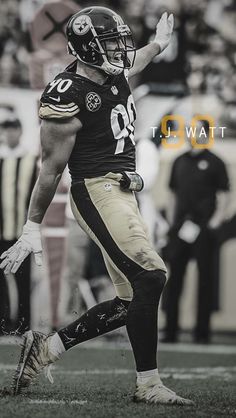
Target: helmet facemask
(117, 50)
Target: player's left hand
(164, 30)
(29, 242)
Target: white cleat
(155, 392)
(34, 357)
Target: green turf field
(99, 382)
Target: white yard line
(55, 402)
(199, 348)
(174, 372)
(6, 367)
(177, 348)
(164, 347)
(10, 340)
(224, 373)
(166, 370)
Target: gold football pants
(111, 217)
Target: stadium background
(96, 379)
(196, 72)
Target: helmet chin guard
(98, 37)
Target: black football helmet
(98, 37)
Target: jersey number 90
(122, 123)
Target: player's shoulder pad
(61, 98)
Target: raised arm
(162, 39)
(57, 141)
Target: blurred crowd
(201, 57)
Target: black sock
(142, 331)
(141, 320)
(100, 319)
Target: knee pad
(148, 286)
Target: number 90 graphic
(190, 132)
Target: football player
(88, 116)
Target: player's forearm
(143, 57)
(43, 193)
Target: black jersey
(105, 143)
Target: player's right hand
(164, 30)
(29, 242)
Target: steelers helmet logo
(93, 101)
(81, 24)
